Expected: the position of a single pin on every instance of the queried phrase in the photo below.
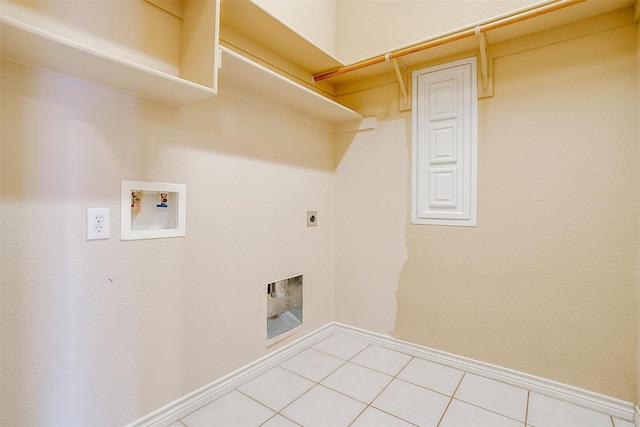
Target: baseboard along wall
(181, 407)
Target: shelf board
(258, 79)
(30, 45)
(251, 21)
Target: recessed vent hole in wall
(284, 308)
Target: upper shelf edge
(247, 74)
(249, 19)
(30, 45)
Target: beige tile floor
(342, 382)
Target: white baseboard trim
(187, 404)
(183, 406)
(588, 399)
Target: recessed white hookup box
(152, 210)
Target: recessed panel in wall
(152, 210)
(445, 144)
(284, 308)
(443, 191)
(443, 97)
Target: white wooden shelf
(251, 21)
(29, 45)
(258, 79)
(53, 39)
(26, 40)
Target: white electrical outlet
(97, 223)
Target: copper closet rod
(469, 32)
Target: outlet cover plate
(97, 223)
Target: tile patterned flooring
(342, 382)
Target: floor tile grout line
(349, 359)
(283, 416)
(491, 410)
(496, 380)
(366, 347)
(409, 381)
(295, 400)
(375, 370)
(385, 373)
(343, 394)
(613, 422)
(257, 401)
(315, 383)
(330, 389)
(451, 399)
(353, 398)
(270, 418)
(526, 409)
(181, 419)
(359, 352)
(384, 412)
(358, 416)
(249, 380)
(436, 391)
(344, 362)
(294, 373)
(291, 372)
(488, 410)
(394, 377)
(318, 383)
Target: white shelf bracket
(402, 81)
(219, 57)
(486, 66)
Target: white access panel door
(445, 144)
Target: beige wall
(315, 20)
(546, 283)
(112, 330)
(371, 207)
(133, 30)
(104, 332)
(366, 28)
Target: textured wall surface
(546, 283)
(315, 20)
(132, 30)
(371, 207)
(371, 27)
(104, 332)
